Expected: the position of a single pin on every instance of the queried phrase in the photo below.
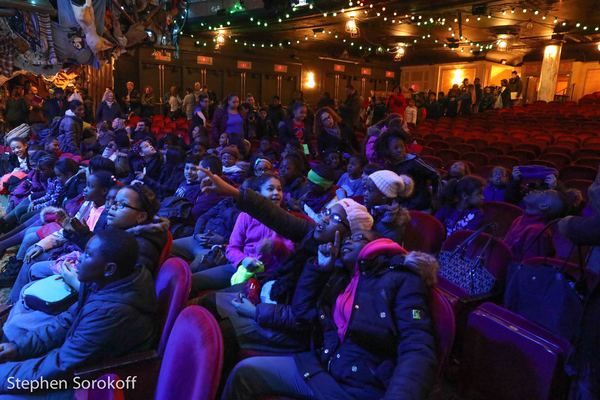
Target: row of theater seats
(188, 359)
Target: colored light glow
(310, 82)
(457, 77)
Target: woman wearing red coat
(397, 102)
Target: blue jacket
(105, 323)
(388, 350)
(219, 219)
(70, 133)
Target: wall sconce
(310, 82)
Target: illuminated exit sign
(244, 65)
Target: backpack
(176, 209)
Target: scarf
(335, 131)
(343, 306)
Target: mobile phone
(306, 150)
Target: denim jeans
(24, 278)
(256, 377)
(189, 249)
(212, 279)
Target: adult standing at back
(108, 109)
(70, 130)
(55, 106)
(397, 103)
(131, 100)
(189, 103)
(350, 109)
(16, 108)
(227, 119)
(515, 86)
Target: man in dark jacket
(275, 112)
(113, 317)
(56, 106)
(350, 109)
(70, 130)
(515, 85)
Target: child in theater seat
(391, 149)
(528, 236)
(384, 190)
(115, 297)
(352, 180)
(495, 190)
(463, 208)
(252, 244)
(232, 168)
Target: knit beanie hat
(358, 216)
(391, 184)
(322, 175)
(233, 150)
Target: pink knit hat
(391, 184)
(358, 216)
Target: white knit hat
(391, 184)
(358, 216)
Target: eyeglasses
(119, 205)
(337, 218)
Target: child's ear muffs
(377, 252)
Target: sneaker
(10, 271)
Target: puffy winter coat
(219, 219)
(70, 133)
(105, 323)
(388, 350)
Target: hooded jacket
(151, 239)
(219, 219)
(105, 323)
(70, 133)
(423, 175)
(388, 349)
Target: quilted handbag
(468, 271)
(51, 295)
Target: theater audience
(290, 226)
(391, 150)
(529, 235)
(114, 297)
(462, 210)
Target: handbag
(545, 294)
(51, 295)
(468, 272)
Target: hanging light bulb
(400, 51)
(352, 27)
(502, 44)
(220, 40)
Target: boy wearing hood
(114, 297)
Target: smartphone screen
(306, 151)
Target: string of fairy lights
(435, 27)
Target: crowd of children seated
(275, 224)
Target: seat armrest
(112, 365)
(144, 367)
